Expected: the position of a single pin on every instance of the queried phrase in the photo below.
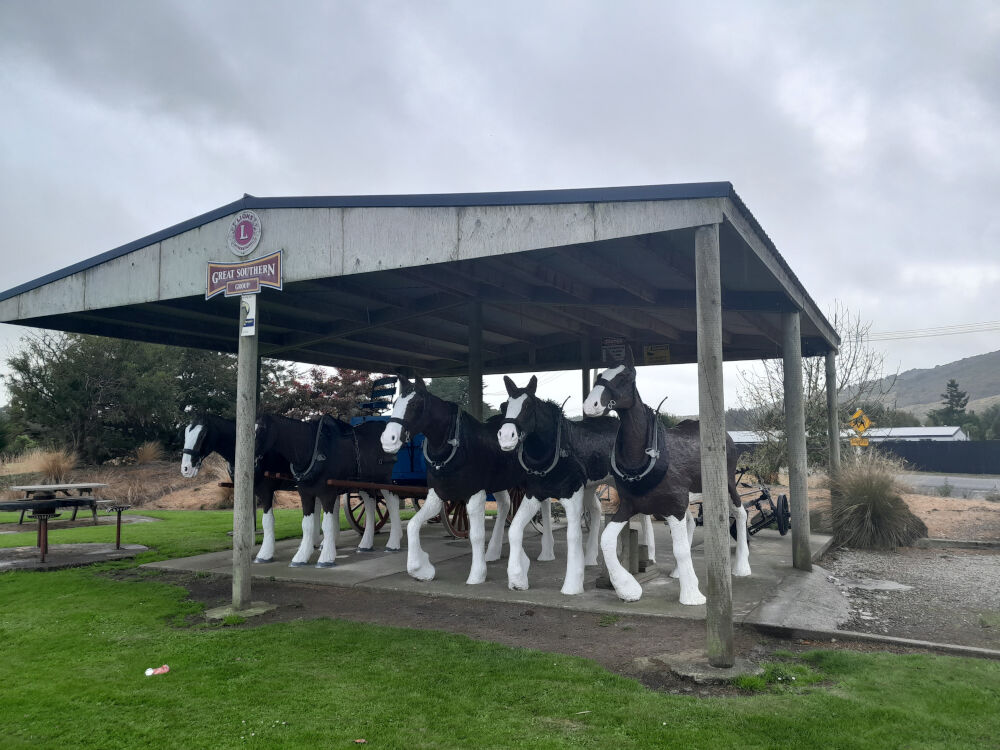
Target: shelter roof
(386, 283)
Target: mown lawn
(76, 644)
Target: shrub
(867, 509)
(149, 452)
(54, 466)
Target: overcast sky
(864, 136)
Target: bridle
(615, 393)
(195, 452)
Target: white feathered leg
(367, 543)
(266, 552)
(682, 553)
(548, 541)
(328, 554)
(593, 504)
(647, 536)
(395, 525)
(517, 561)
(495, 549)
(418, 563)
(573, 583)
(627, 588)
(306, 545)
(477, 537)
(741, 565)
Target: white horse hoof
(546, 557)
(675, 573)
(260, 560)
(294, 564)
(421, 572)
(693, 600)
(326, 565)
(475, 580)
(741, 571)
(630, 593)
(517, 583)
(571, 590)
(493, 558)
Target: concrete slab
(64, 556)
(770, 560)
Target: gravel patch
(953, 595)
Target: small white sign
(248, 311)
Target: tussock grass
(54, 466)
(867, 509)
(149, 452)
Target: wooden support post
(476, 359)
(712, 416)
(795, 434)
(833, 413)
(246, 417)
(585, 365)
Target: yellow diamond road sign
(860, 422)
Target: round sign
(244, 233)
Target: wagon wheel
(355, 512)
(559, 519)
(455, 517)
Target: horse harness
(454, 441)
(653, 451)
(558, 452)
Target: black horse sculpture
(464, 463)
(561, 459)
(654, 470)
(208, 433)
(328, 448)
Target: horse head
(613, 389)
(520, 413)
(194, 442)
(406, 413)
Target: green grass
(76, 644)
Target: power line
(951, 330)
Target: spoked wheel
(559, 519)
(455, 517)
(355, 512)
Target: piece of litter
(360, 742)
(159, 670)
(582, 712)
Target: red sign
(248, 277)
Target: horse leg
(477, 537)
(573, 583)
(518, 562)
(317, 509)
(304, 552)
(591, 503)
(741, 565)
(495, 549)
(548, 541)
(266, 552)
(685, 570)
(418, 563)
(689, 517)
(395, 525)
(331, 518)
(371, 518)
(625, 585)
(647, 536)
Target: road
(961, 486)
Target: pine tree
(952, 411)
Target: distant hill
(918, 391)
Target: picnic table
(75, 495)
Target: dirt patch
(622, 645)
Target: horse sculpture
(331, 449)
(464, 463)
(561, 459)
(654, 469)
(208, 433)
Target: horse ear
(629, 358)
(532, 385)
(511, 388)
(419, 384)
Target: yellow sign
(656, 354)
(860, 422)
(859, 442)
